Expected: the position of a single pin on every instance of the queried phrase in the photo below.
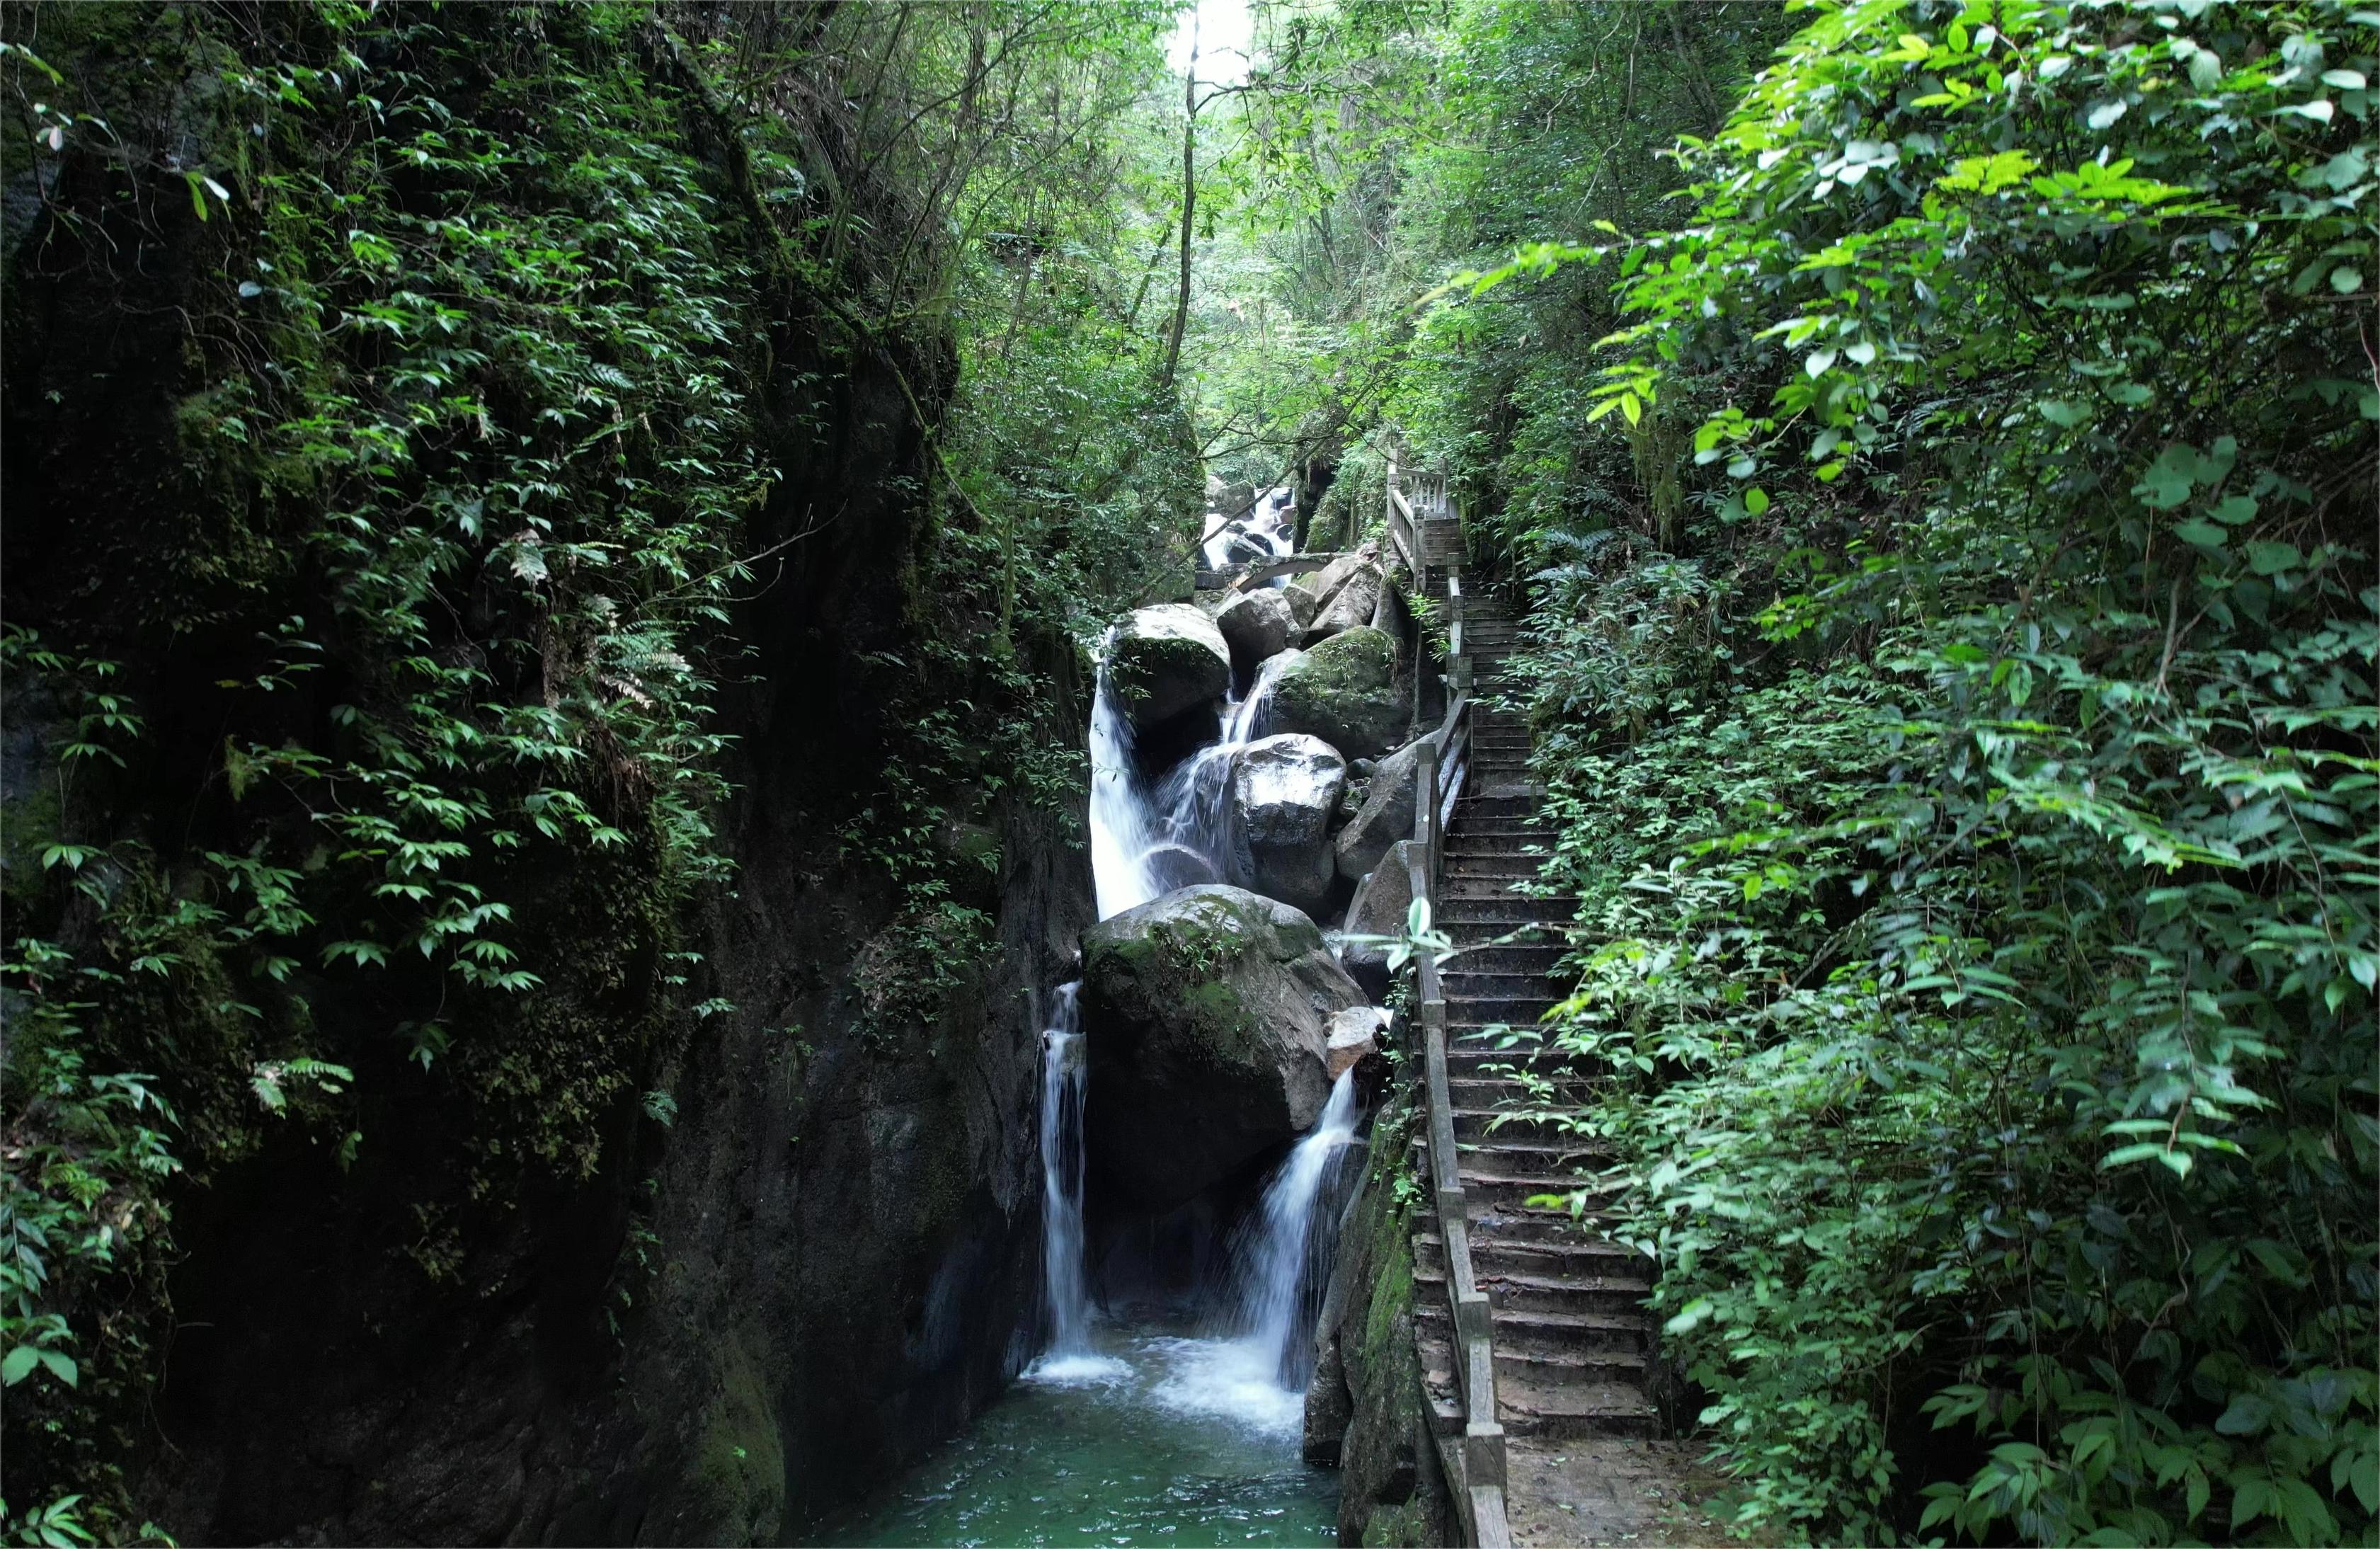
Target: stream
(1154, 1436)
(1172, 1427)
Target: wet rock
(1373, 1414)
(1173, 865)
(1207, 1013)
(1342, 691)
(1382, 902)
(1324, 584)
(1167, 660)
(1352, 606)
(1283, 791)
(1355, 1038)
(1257, 624)
(1386, 816)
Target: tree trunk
(1189, 208)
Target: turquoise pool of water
(1153, 1438)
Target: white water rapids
(1147, 841)
(1148, 838)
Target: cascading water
(1263, 530)
(1275, 1293)
(1068, 1357)
(1258, 1374)
(1146, 842)
(1131, 1432)
(1062, 1179)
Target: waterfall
(1064, 1075)
(1257, 1376)
(1147, 842)
(1275, 1295)
(1061, 1177)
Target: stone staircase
(1571, 1339)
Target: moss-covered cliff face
(505, 948)
(1367, 1412)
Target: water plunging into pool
(1184, 1428)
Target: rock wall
(1366, 1411)
(809, 1254)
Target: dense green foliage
(504, 325)
(1969, 768)
(1943, 489)
(1947, 520)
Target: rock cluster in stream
(1217, 1015)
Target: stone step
(1514, 1190)
(1558, 1159)
(1466, 824)
(1479, 855)
(1589, 1344)
(1496, 1123)
(1511, 1011)
(1482, 919)
(1516, 956)
(1484, 805)
(1550, 1402)
(1608, 1315)
(1596, 1258)
(1434, 1344)
(1499, 890)
(1502, 1093)
(1463, 977)
(1498, 1221)
(1462, 843)
(1480, 1058)
(1503, 1070)
(1616, 1296)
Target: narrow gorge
(1189, 772)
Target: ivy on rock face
(475, 372)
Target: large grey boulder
(1208, 1012)
(1257, 624)
(1166, 660)
(1342, 691)
(1354, 601)
(1381, 903)
(1283, 791)
(1387, 814)
(1324, 584)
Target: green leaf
(1755, 500)
(2207, 535)
(18, 1364)
(2271, 560)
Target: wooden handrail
(1442, 765)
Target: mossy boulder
(1375, 1422)
(1165, 661)
(1342, 691)
(1208, 1012)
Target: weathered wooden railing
(1476, 1465)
